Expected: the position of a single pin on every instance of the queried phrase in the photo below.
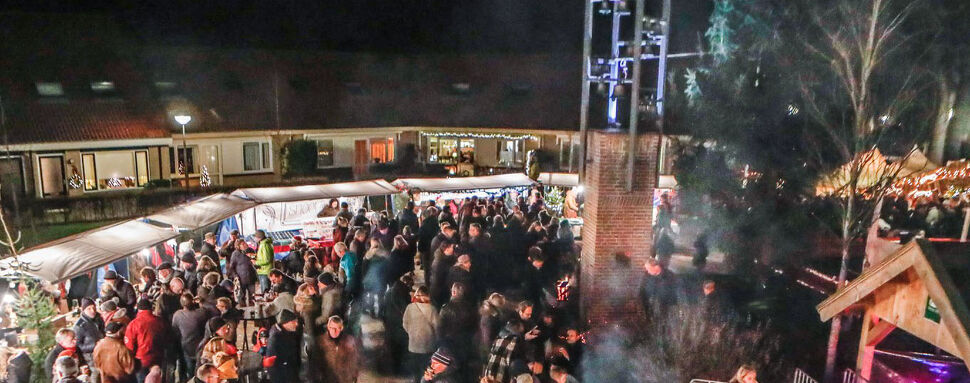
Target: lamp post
(183, 119)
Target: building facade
(87, 109)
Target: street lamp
(183, 119)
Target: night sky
(401, 26)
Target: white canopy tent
(463, 183)
(203, 212)
(559, 179)
(75, 255)
(312, 192)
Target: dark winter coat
(189, 328)
(209, 250)
(285, 346)
(19, 368)
(240, 266)
(407, 218)
(87, 332)
(286, 285)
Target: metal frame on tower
(622, 68)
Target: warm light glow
(579, 189)
(183, 119)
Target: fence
(850, 376)
(802, 377)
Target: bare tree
(870, 92)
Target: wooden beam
(874, 330)
(879, 332)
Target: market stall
(72, 256)
(287, 211)
(432, 189)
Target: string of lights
(481, 135)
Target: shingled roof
(251, 89)
(241, 89)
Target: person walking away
(264, 259)
(115, 361)
(419, 322)
(375, 280)
(339, 350)
(188, 324)
(145, 336)
(396, 301)
(284, 345)
(241, 267)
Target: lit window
(102, 87)
(90, 172)
(324, 153)
(50, 89)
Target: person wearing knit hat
(283, 347)
(114, 330)
(115, 361)
(286, 316)
(331, 295)
(441, 368)
(88, 329)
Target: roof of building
(253, 89)
(250, 89)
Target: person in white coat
(420, 321)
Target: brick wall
(617, 234)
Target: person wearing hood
(442, 368)
(121, 289)
(339, 351)
(88, 330)
(283, 349)
(264, 259)
(115, 362)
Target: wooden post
(874, 331)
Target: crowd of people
(928, 217)
(473, 290)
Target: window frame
(263, 160)
(330, 155)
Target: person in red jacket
(145, 337)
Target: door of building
(51, 176)
(361, 158)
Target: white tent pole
(966, 224)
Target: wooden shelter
(913, 290)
